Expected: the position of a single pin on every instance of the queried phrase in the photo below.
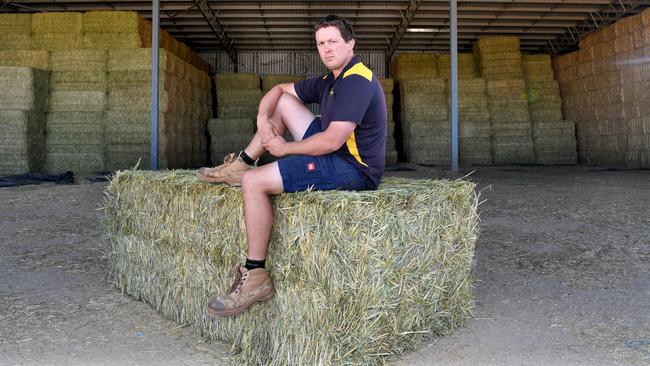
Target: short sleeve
(353, 97)
(309, 90)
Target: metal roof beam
(210, 16)
(403, 25)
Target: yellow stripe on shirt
(359, 69)
(352, 147)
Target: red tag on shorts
(311, 166)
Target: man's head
(335, 42)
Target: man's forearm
(268, 104)
(315, 145)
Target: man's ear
(351, 43)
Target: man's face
(333, 50)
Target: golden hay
(111, 22)
(68, 23)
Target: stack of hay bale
(75, 121)
(391, 147)
(605, 86)
(466, 66)
(238, 98)
(500, 63)
(128, 125)
(15, 30)
(23, 100)
(425, 129)
(56, 31)
(553, 137)
(474, 131)
(112, 29)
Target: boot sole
(241, 309)
(218, 180)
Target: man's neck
(337, 72)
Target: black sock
(253, 264)
(247, 159)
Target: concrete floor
(562, 278)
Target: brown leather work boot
(248, 288)
(231, 171)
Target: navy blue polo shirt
(354, 96)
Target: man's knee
(253, 182)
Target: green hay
(111, 22)
(271, 80)
(77, 101)
(236, 81)
(239, 97)
(22, 137)
(23, 88)
(498, 44)
(79, 60)
(381, 310)
(55, 41)
(77, 162)
(502, 73)
(237, 111)
(25, 58)
(15, 41)
(226, 126)
(125, 120)
(137, 79)
(139, 60)
(75, 121)
(542, 115)
(502, 58)
(64, 22)
(111, 40)
(15, 23)
(139, 100)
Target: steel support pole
(155, 62)
(453, 81)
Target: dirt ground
(562, 277)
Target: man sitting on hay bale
(343, 149)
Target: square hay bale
(140, 60)
(26, 58)
(22, 137)
(78, 162)
(77, 101)
(236, 81)
(411, 65)
(15, 23)
(271, 80)
(466, 66)
(237, 111)
(375, 298)
(63, 22)
(79, 60)
(387, 84)
(23, 88)
(111, 40)
(239, 97)
(111, 22)
(498, 44)
(55, 41)
(11, 41)
(79, 81)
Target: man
(344, 149)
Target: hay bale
(387, 310)
(111, 40)
(239, 97)
(22, 137)
(79, 60)
(387, 85)
(63, 22)
(79, 81)
(466, 66)
(23, 88)
(26, 58)
(236, 81)
(15, 23)
(271, 80)
(498, 44)
(111, 22)
(15, 41)
(55, 41)
(77, 101)
(410, 65)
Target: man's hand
(276, 146)
(267, 130)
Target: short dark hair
(336, 21)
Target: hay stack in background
(111, 29)
(474, 135)
(499, 58)
(15, 30)
(23, 101)
(554, 138)
(466, 66)
(184, 108)
(414, 65)
(238, 98)
(35, 59)
(391, 147)
(56, 31)
(356, 307)
(75, 121)
(271, 80)
(425, 121)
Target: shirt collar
(353, 61)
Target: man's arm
(268, 105)
(320, 143)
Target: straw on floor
(360, 276)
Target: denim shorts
(320, 173)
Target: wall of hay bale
(508, 107)
(605, 88)
(99, 72)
